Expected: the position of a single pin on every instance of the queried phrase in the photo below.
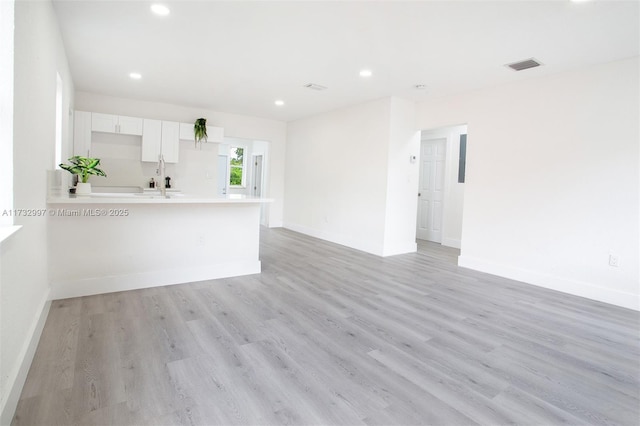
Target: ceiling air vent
(524, 65)
(314, 86)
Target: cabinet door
(215, 134)
(170, 141)
(151, 140)
(130, 125)
(186, 132)
(104, 122)
(82, 133)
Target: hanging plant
(200, 130)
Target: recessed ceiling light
(279, 102)
(160, 9)
(135, 75)
(366, 73)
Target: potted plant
(200, 130)
(83, 167)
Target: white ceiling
(238, 56)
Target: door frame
(453, 198)
(255, 174)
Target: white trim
(576, 288)
(367, 246)
(110, 284)
(18, 375)
(399, 248)
(452, 242)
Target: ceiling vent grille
(314, 86)
(524, 65)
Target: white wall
(39, 54)
(402, 180)
(239, 126)
(337, 183)
(552, 179)
(453, 191)
(6, 109)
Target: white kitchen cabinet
(82, 133)
(214, 134)
(160, 137)
(121, 124)
(170, 141)
(186, 132)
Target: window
(237, 166)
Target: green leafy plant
(200, 130)
(83, 167)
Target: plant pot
(83, 188)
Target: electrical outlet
(200, 240)
(614, 260)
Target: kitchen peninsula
(104, 243)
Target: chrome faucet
(160, 172)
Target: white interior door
(223, 163)
(431, 191)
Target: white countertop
(140, 198)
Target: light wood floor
(329, 335)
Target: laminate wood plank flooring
(328, 335)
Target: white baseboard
(366, 246)
(450, 242)
(395, 249)
(18, 375)
(576, 288)
(110, 284)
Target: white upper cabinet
(130, 125)
(82, 133)
(122, 124)
(186, 132)
(106, 123)
(160, 137)
(214, 134)
(170, 141)
(151, 140)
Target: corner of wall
(12, 388)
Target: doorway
(223, 162)
(431, 189)
(441, 185)
(256, 174)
